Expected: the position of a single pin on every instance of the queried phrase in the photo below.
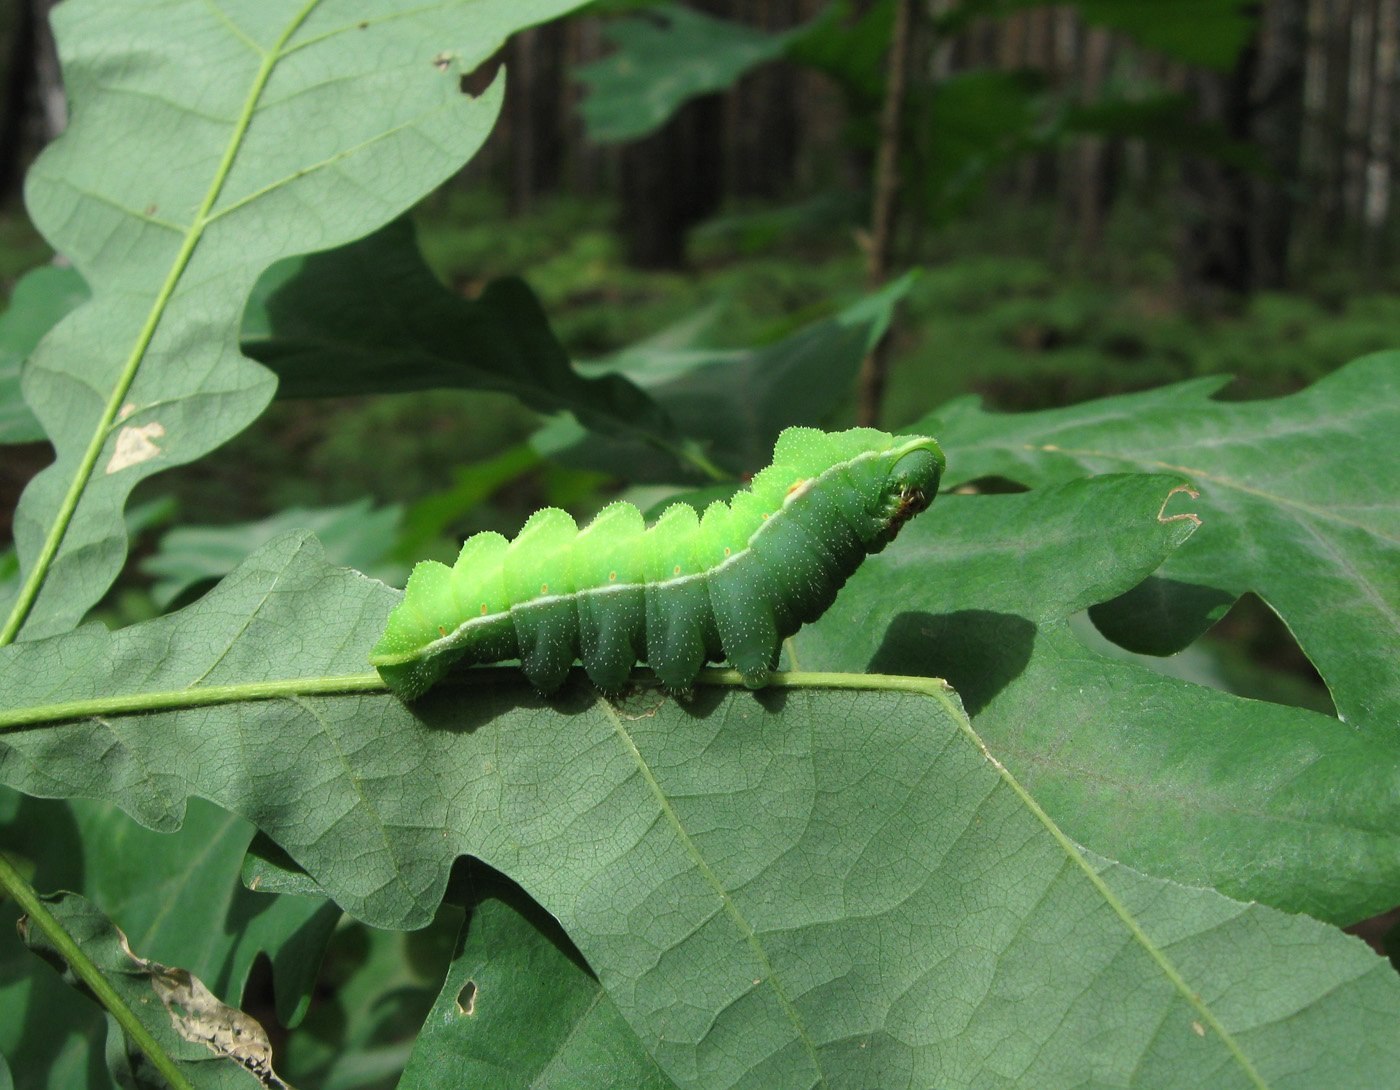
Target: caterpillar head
(911, 482)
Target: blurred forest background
(1098, 197)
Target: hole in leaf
(466, 999)
(989, 486)
(1381, 932)
(1249, 651)
(1258, 636)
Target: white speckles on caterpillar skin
(733, 583)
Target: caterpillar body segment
(729, 584)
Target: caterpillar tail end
(409, 674)
(410, 680)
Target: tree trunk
(535, 101)
(874, 370)
(1381, 143)
(671, 181)
(1358, 116)
(1278, 130)
(53, 103)
(14, 121)
(1337, 21)
(592, 167)
(34, 110)
(674, 178)
(1035, 172)
(1092, 184)
(763, 120)
(1216, 255)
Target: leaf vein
(1325, 513)
(312, 168)
(365, 24)
(1075, 855)
(234, 29)
(767, 972)
(127, 91)
(117, 206)
(357, 784)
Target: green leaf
(852, 48)
(371, 317)
(375, 991)
(175, 1030)
(135, 876)
(664, 56)
(1160, 616)
(974, 122)
(428, 519)
(138, 518)
(42, 297)
(832, 879)
(203, 147)
(1036, 556)
(53, 1042)
(1298, 504)
(1205, 32)
(733, 403)
(1164, 121)
(356, 535)
(1267, 803)
(519, 1004)
(177, 897)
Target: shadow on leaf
(976, 651)
(1161, 616)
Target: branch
(884, 212)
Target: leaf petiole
(39, 916)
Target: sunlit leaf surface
(775, 888)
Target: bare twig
(886, 204)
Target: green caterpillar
(732, 584)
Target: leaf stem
(83, 968)
(692, 453)
(195, 697)
(688, 452)
(204, 696)
(48, 553)
(813, 679)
